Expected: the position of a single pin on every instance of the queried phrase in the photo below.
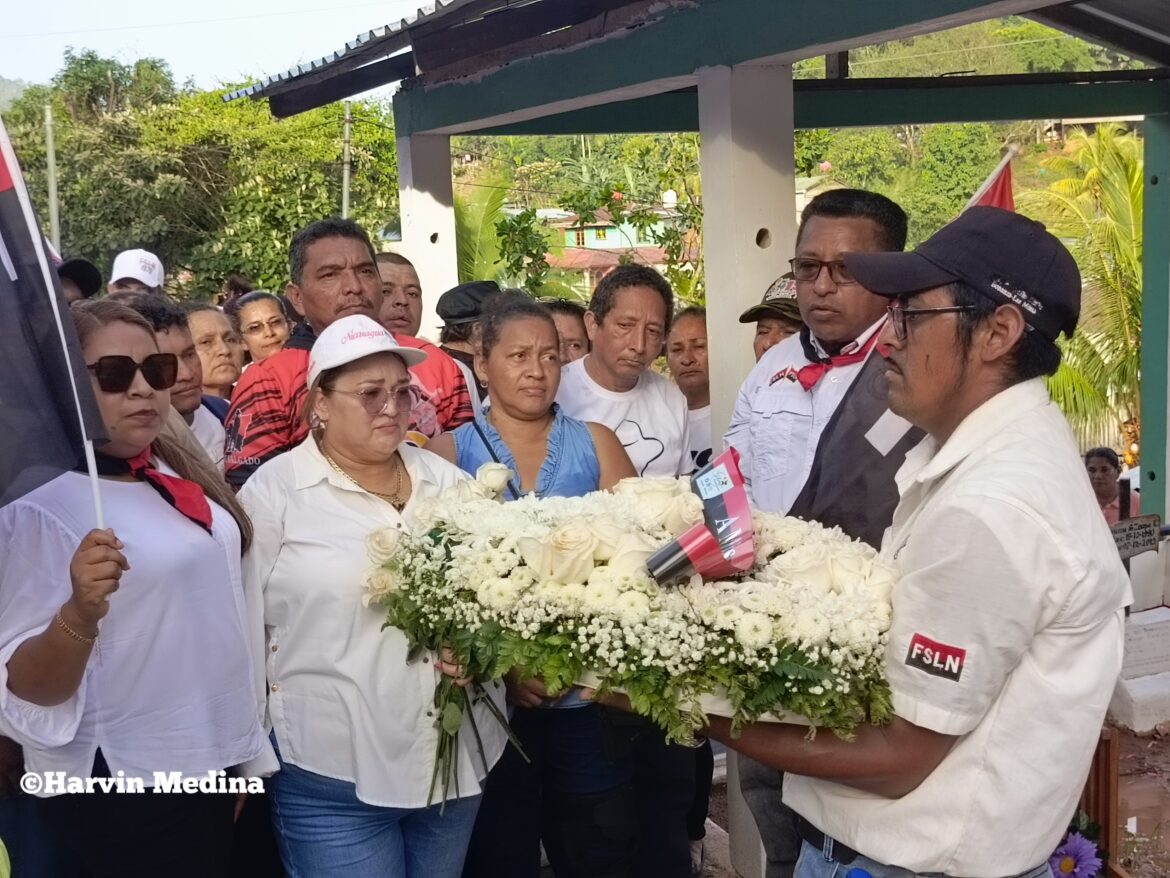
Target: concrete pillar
(428, 218)
(749, 233)
(749, 228)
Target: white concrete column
(749, 232)
(749, 219)
(428, 218)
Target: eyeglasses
(257, 328)
(900, 314)
(375, 399)
(806, 270)
(115, 374)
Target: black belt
(815, 838)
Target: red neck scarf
(184, 495)
(809, 375)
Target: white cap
(352, 338)
(140, 265)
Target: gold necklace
(392, 499)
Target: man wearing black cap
(460, 309)
(776, 317)
(80, 279)
(1008, 619)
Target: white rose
(632, 607)
(377, 583)
(683, 511)
(469, 489)
(654, 497)
(537, 554)
(495, 477)
(809, 564)
(881, 580)
(608, 536)
(382, 544)
(754, 630)
(630, 553)
(572, 547)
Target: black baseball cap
(464, 303)
(779, 301)
(83, 273)
(1009, 258)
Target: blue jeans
(814, 864)
(322, 829)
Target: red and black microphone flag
(47, 407)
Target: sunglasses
(115, 374)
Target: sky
(210, 42)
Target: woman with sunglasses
(123, 652)
(353, 721)
(574, 795)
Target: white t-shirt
(342, 699)
(169, 686)
(1007, 632)
(209, 431)
(650, 420)
(699, 426)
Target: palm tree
(476, 247)
(1096, 209)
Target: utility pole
(345, 162)
(51, 153)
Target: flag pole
(38, 243)
(1012, 150)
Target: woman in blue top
(575, 795)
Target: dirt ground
(1144, 804)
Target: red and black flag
(47, 407)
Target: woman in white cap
(352, 720)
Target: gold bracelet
(80, 638)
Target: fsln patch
(936, 658)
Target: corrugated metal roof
(1139, 28)
(379, 42)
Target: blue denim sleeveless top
(570, 468)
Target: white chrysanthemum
(600, 597)
(632, 607)
(727, 616)
(754, 630)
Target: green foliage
(864, 158)
(212, 188)
(524, 249)
(1095, 206)
(812, 147)
(476, 245)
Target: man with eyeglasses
(812, 426)
(1008, 619)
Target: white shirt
(776, 424)
(342, 699)
(699, 428)
(650, 420)
(168, 686)
(1011, 580)
(210, 433)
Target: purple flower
(1075, 858)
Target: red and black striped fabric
(41, 428)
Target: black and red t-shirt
(266, 414)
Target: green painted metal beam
(890, 103)
(685, 38)
(1155, 378)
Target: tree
(1096, 208)
(864, 158)
(212, 188)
